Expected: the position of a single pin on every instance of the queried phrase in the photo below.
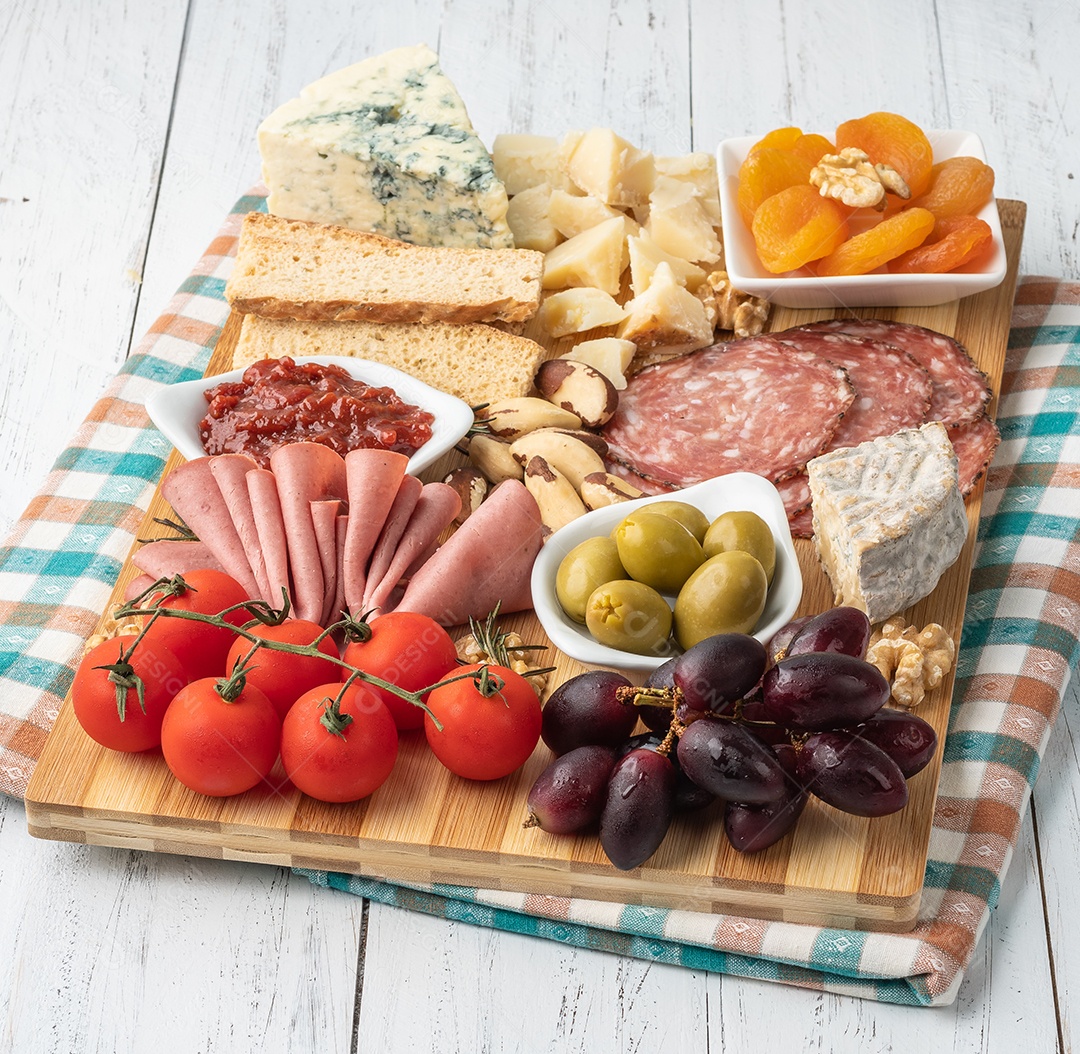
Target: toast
(476, 363)
(316, 272)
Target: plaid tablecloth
(1018, 648)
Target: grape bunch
(756, 728)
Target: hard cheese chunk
(888, 518)
(385, 146)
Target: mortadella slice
(397, 520)
(168, 556)
(306, 472)
(487, 560)
(373, 478)
(341, 529)
(137, 586)
(230, 471)
(324, 516)
(193, 492)
(435, 510)
(266, 508)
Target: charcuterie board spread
(425, 824)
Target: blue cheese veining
(386, 146)
(889, 519)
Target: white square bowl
(734, 492)
(877, 289)
(177, 409)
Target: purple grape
(689, 797)
(638, 809)
(658, 718)
(845, 630)
(569, 794)
(771, 733)
(822, 690)
(781, 640)
(851, 774)
(650, 740)
(729, 762)
(908, 740)
(718, 671)
(751, 828)
(583, 711)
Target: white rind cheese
(889, 519)
(386, 146)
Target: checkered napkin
(1019, 645)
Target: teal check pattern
(1018, 649)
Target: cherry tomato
(284, 677)
(345, 767)
(217, 747)
(201, 648)
(94, 696)
(407, 649)
(484, 737)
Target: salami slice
(974, 443)
(961, 389)
(795, 494)
(751, 405)
(893, 391)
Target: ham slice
(167, 557)
(230, 472)
(193, 492)
(324, 516)
(396, 521)
(137, 586)
(373, 478)
(488, 559)
(341, 530)
(306, 472)
(435, 510)
(266, 508)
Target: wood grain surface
(427, 825)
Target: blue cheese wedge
(889, 519)
(385, 146)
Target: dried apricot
(765, 173)
(867, 251)
(954, 242)
(812, 147)
(797, 225)
(893, 140)
(959, 186)
(778, 138)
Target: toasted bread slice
(476, 363)
(317, 272)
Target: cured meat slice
(229, 471)
(434, 512)
(645, 485)
(961, 389)
(167, 557)
(137, 586)
(270, 525)
(397, 520)
(795, 494)
(892, 390)
(487, 560)
(341, 530)
(974, 443)
(801, 524)
(373, 477)
(752, 405)
(306, 472)
(324, 522)
(193, 492)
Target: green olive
(589, 564)
(629, 616)
(657, 550)
(726, 594)
(746, 531)
(692, 518)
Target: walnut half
(913, 662)
(849, 177)
(745, 315)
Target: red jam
(279, 401)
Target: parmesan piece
(525, 161)
(571, 215)
(529, 221)
(646, 255)
(594, 258)
(679, 224)
(609, 168)
(889, 519)
(576, 310)
(667, 315)
(610, 355)
(699, 170)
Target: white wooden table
(126, 133)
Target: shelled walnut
(850, 177)
(745, 315)
(912, 661)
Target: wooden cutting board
(426, 825)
